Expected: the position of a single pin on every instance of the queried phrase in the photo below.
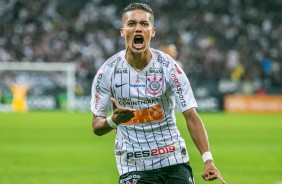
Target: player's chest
(151, 82)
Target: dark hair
(138, 6)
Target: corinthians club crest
(154, 86)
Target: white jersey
(151, 139)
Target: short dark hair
(138, 6)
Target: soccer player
(19, 97)
(171, 50)
(144, 85)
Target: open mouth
(138, 39)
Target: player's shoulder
(110, 63)
(108, 67)
(115, 59)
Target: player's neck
(138, 61)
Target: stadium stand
(232, 46)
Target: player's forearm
(100, 126)
(197, 130)
(199, 137)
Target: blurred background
(225, 47)
(50, 50)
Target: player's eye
(145, 24)
(130, 24)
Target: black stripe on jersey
(112, 89)
(148, 145)
(126, 147)
(143, 131)
(166, 121)
(126, 127)
(129, 81)
(128, 131)
(165, 116)
(120, 160)
(181, 149)
(121, 75)
(151, 123)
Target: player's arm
(197, 130)
(103, 125)
(100, 125)
(199, 136)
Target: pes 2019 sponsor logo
(151, 154)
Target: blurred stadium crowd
(226, 46)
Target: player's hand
(121, 114)
(211, 173)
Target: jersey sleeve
(181, 88)
(100, 94)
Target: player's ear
(153, 32)
(121, 32)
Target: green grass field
(59, 148)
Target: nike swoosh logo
(119, 85)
